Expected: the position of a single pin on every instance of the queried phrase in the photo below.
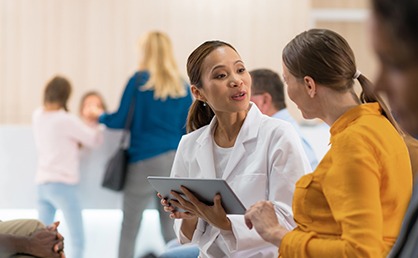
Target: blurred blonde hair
(158, 60)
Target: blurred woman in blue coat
(162, 100)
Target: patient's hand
(262, 217)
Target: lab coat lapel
(246, 136)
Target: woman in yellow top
(352, 205)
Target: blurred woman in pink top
(58, 137)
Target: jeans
(53, 196)
(176, 250)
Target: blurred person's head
(57, 92)
(267, 91)
(323, 57)
(91, 104)
(394, 30)
(219, 82)
(157, 58)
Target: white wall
(18, 167)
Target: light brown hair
(58, 90)
(326, 56)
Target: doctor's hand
(214, 214)
(262, 217)
(174, 213)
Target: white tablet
(204, 189)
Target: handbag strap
(128, 121)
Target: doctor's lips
(239, 96)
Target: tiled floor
(102, 231)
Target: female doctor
(261, 158)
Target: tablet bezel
(204, 189)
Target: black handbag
(117, 166)
(115, 173)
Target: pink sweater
(58, 135)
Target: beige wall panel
(9, 13)
(340, 4)
(357, 36)
(93, 42)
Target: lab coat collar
(246, 136)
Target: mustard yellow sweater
(352, 205)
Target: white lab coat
(266, 161)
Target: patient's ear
(310, 86)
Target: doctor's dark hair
(58, 91)
(327, 58)
(200, 114)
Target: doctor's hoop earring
(204, 104)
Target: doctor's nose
(235, 81)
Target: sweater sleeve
(117, 120)
(82, 133)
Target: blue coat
(157, 125)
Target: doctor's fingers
(217, 202)
(169, 208)
(193, 200)
(176, 214)
(164, 202)
(160, 196)
(215, 211)
(178, 198)
(182, 203)
(181, 215)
